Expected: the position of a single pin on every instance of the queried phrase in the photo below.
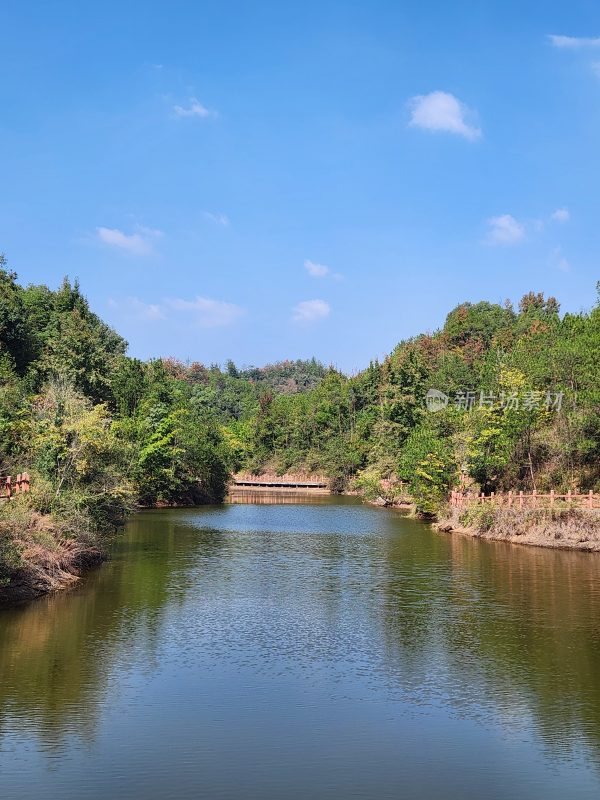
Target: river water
(325, 650)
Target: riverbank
(39, 557)
(558, 528)
(40, 554)
(561, 529)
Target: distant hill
(287, 377)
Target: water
(306, 651)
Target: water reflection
(57, 653)
(495, 628)
(286, 497)
(343, 625)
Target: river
(322, 650)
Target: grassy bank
(41, 550)
(98, 432)
(562, 528)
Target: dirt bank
(38, 558)
(563, 529)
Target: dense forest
(101, 433)
(520, 407)
(517, 405)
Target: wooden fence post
(510, 499)
(551, 498)
(591, 499)
(569, 496)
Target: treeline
(519, 408)
(516, 405)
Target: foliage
(376, 422)
(74, 446)
(371, 484)
(96, 430)
(481, 517)
(102, 431)
(427, 464)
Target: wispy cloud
(311, 310)
(559, 260)
(442, 111)
(316, 270)
(579, 43)
(560, 215)
(138, 308)
(140, 243)
(193, 109)
(207, 313)
(202, 311)
(217, 218)
(505, 230)
(574, 42)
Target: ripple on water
(331, 651)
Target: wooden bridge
(258, 484)
(279, 483)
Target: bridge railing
(525, 500)
(287, 481)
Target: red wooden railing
(296, 480)
(9, 486)
(533, 499)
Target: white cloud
(138, 308)
(194, 109)
(149, 311)
(560, 215)
(204, 312)
(441, 111)
(137, 244)
(574, 42)
(505, 230)
(310, 310)
(217, 218)
(207, 313)
(316, 270)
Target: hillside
(499, 398)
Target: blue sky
(270, 180)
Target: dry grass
(37, 555)
(566, 528)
